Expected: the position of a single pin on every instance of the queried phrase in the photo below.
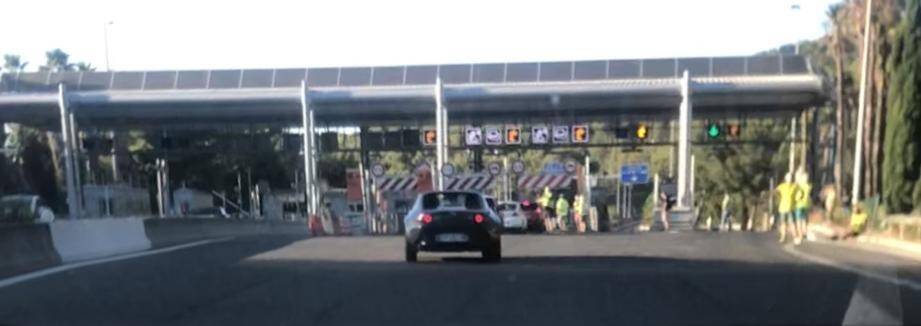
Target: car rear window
(451, 200)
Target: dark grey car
(453, 221)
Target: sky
(199, 34)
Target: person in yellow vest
(577, 206)
(562, 212)
(858, 221)
(544, 202)
(801, 203)
(785, 192)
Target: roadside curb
(908, 249)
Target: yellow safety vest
(802, 195)
(786, 191)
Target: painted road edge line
(868, 274)
(57, 269)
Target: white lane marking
(869, 301)
(865, 273)
(57, 269)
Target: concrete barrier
(93, 238)
(24, 248)
(169, 231)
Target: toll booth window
(451, 200)
(356, 208)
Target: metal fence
(406, 75)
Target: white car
(25, 208)
(513, 219)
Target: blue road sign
(554, 167)
(634, 173)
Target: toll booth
(395, 195)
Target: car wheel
(494, 252)
(412, 254)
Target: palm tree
(13, 63)
(837, 52)
(85, 67)
(56, 61)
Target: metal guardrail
(899, 223)
(406, 75)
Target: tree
(56, 61)
(902, 160)
(84, 67)
(13, 63)
(743, 171)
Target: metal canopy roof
(377, 94)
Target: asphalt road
(654, 278)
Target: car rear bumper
(516, 224)
(478, 238)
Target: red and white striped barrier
(388, 183)
(475, 182)
(539, 181)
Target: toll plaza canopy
(374, 95)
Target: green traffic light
(713, 131)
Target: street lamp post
(795, 9)
(105, 36)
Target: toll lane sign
(512, 135)
(493, 136)
(540, 135)
(473, 136)
(580, 134)
(560, 134)
(429, 137)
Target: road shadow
(217, 285)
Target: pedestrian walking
(785, 193)
(801, 203)
(577, 216)
(725, 214)
(664, 207)
(546, 205)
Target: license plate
(451, 237)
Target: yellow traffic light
(642, 131)
(429, 137)
(512, 135)
(580, 134)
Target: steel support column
(308, 148)
(75, 142)
(684, 142)
(588, 187)
(441, 135)
(72, 204)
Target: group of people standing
(793, 206)
(558, 214)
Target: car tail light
(425, 218)
(478, 218)
(537, 210)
